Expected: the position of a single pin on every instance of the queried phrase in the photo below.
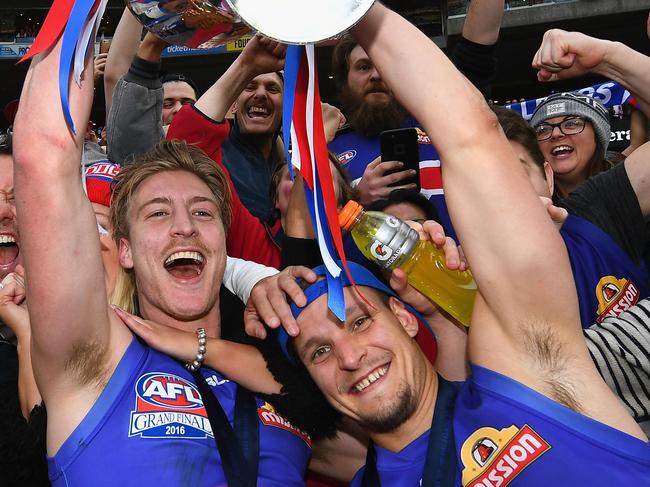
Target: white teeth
(184, 255)
(371, 378)
(561, 148)
(7, 239)
(260, 110)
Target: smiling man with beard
(371, 108)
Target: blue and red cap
(361, 277)
(99, 178)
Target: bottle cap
(349, 213)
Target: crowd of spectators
(160, 276)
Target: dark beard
(394, 414)
(371, 119)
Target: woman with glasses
(573, 133)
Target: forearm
(243, 364)
(28, 392)
(151, 48)
(134, 124)
(123, 47)
(483, 21)
(488, 194)
(221, 95)
(241, 276)
(629, 68)
(451, 359)
(298, 222)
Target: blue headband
(361, 276)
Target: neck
(210, 321)
(264, 143)
(420, 420)
(567, 185)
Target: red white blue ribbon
(77, 21)
(305, 135)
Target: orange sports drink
(389, 242)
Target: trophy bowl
(211, 23)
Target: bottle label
(393, 243)
(380, 251)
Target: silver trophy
(211, 23)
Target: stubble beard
(393, 414)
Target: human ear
(124, 252)
(550, 177)
(408, 321)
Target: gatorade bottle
(389, 242)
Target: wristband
(200, 356)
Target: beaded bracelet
(200, 356)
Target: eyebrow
(202, 199)
(155, 201)
(354, 307)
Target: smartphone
(402, 145)
(104, 46)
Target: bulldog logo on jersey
(423, 138)
(494, 457)
(483, 450)
(168, 406)
(347, 156)
(269, 417)
(615, 296)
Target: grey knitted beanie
(573, 104)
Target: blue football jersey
(608, 282)
(149, 427)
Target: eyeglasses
(568, 126)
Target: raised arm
(564, 55)
(59, 240)
(477, 160)
(483, 21)
(261, 55)
(123, 47)
(527, 307)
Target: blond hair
(165, 156)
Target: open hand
(268, 302)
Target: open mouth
(561, 150)
(370, 379)
(9, 251)
(185, 265)
(257, 111)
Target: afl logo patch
(168, 406)
(347, 156)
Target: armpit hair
(545, 350)
(87, 363)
